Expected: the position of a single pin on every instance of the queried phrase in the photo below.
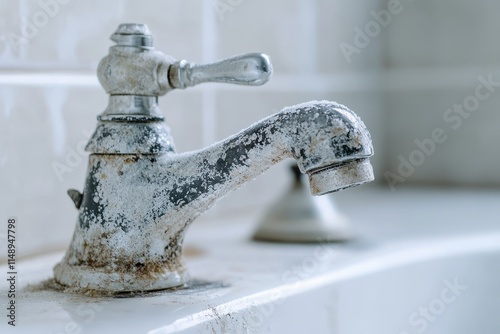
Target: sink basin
(445, 286)
(435, 271)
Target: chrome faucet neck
(131, 124)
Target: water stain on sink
(191, 287)
(192, 252)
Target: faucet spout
(329, 142)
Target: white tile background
(427, 58)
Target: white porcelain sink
(451, 287)
(445, 286)
(395, 278)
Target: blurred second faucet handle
(299, 217)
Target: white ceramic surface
(410, 247)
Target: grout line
(408, 79)
(209, 54)
(308, 36)
(44, 79)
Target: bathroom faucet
(140, 196)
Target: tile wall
(400, 80)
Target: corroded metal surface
(140, 196)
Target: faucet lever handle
(251, 69)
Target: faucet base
(102, 279)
